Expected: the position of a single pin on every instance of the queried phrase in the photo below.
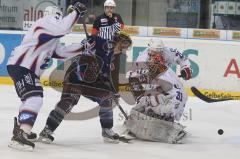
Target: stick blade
(205, 98)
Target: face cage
(156, 65)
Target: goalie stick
(207, 99)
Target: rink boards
(215, 63)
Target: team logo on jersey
(108, 46)
(104, 20)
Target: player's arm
(62, 51)
(185, 65)
(63, 26)
(85, 47)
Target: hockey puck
(220, 131)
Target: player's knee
(70, 98)
(65, 105)
(33, 103)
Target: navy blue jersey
(104, 49)
(95, 62)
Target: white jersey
(175, 101)
(41, 43)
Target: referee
(106, 24)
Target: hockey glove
(186, 73)
(70, 9)
(80, 8)
(88, 45)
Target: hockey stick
(120, 107)
(207, 99)
(85, 28)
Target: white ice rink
(82, 139)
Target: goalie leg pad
(152, 129)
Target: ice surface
(82, 139)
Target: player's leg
(103, 97)
(106, 118)
(106, 121)
(30, 91)
(70, 97)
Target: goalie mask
(157, 62)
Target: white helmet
(109, 3)
(156, 45)
(53, 10)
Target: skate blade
(17, 146)
(111, 141)
(44, 140)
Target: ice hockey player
(28, 61)
(90, 76)
(162, 98)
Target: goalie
(159, 94)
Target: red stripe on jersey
(35, 30)
(20, 59)
(38, 28)
(29, 111)
(34, 64)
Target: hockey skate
(46, 136)
(109, 136)
(32, 137)
(20, 140)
